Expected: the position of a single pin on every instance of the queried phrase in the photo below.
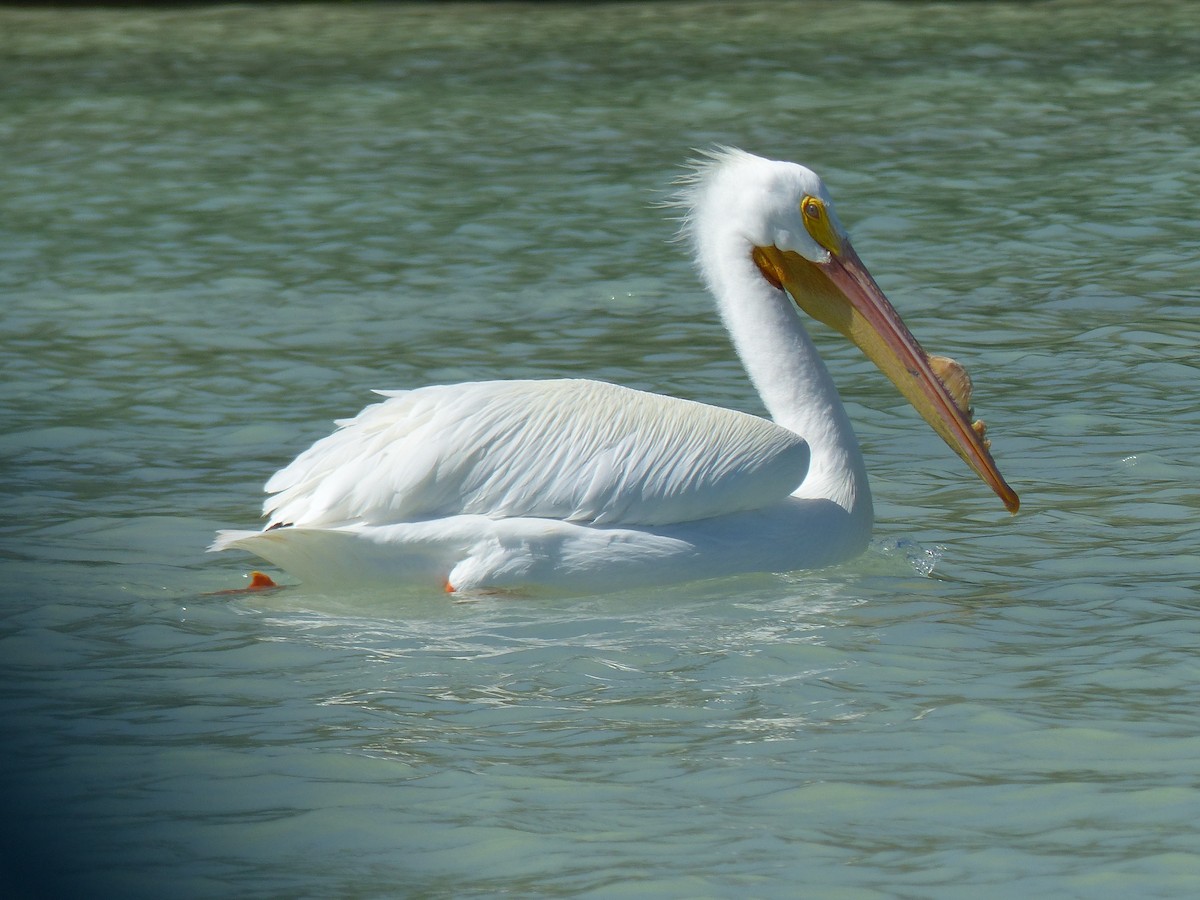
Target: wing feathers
(576, 450)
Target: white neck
(782, 362)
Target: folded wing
(576, 450)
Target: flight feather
(571, 449)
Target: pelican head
(783, 214)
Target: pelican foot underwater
(580, 485)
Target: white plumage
(583, 485)
(576, 450)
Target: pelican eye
(818, 224)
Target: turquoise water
(222, 227)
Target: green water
(221, 227)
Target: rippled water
(223, 226)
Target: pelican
(580, 485)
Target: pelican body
(581, 485)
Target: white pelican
(581, 485)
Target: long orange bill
(841, 293)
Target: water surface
(223, 226)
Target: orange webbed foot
(259, 581)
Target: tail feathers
(229, 539)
